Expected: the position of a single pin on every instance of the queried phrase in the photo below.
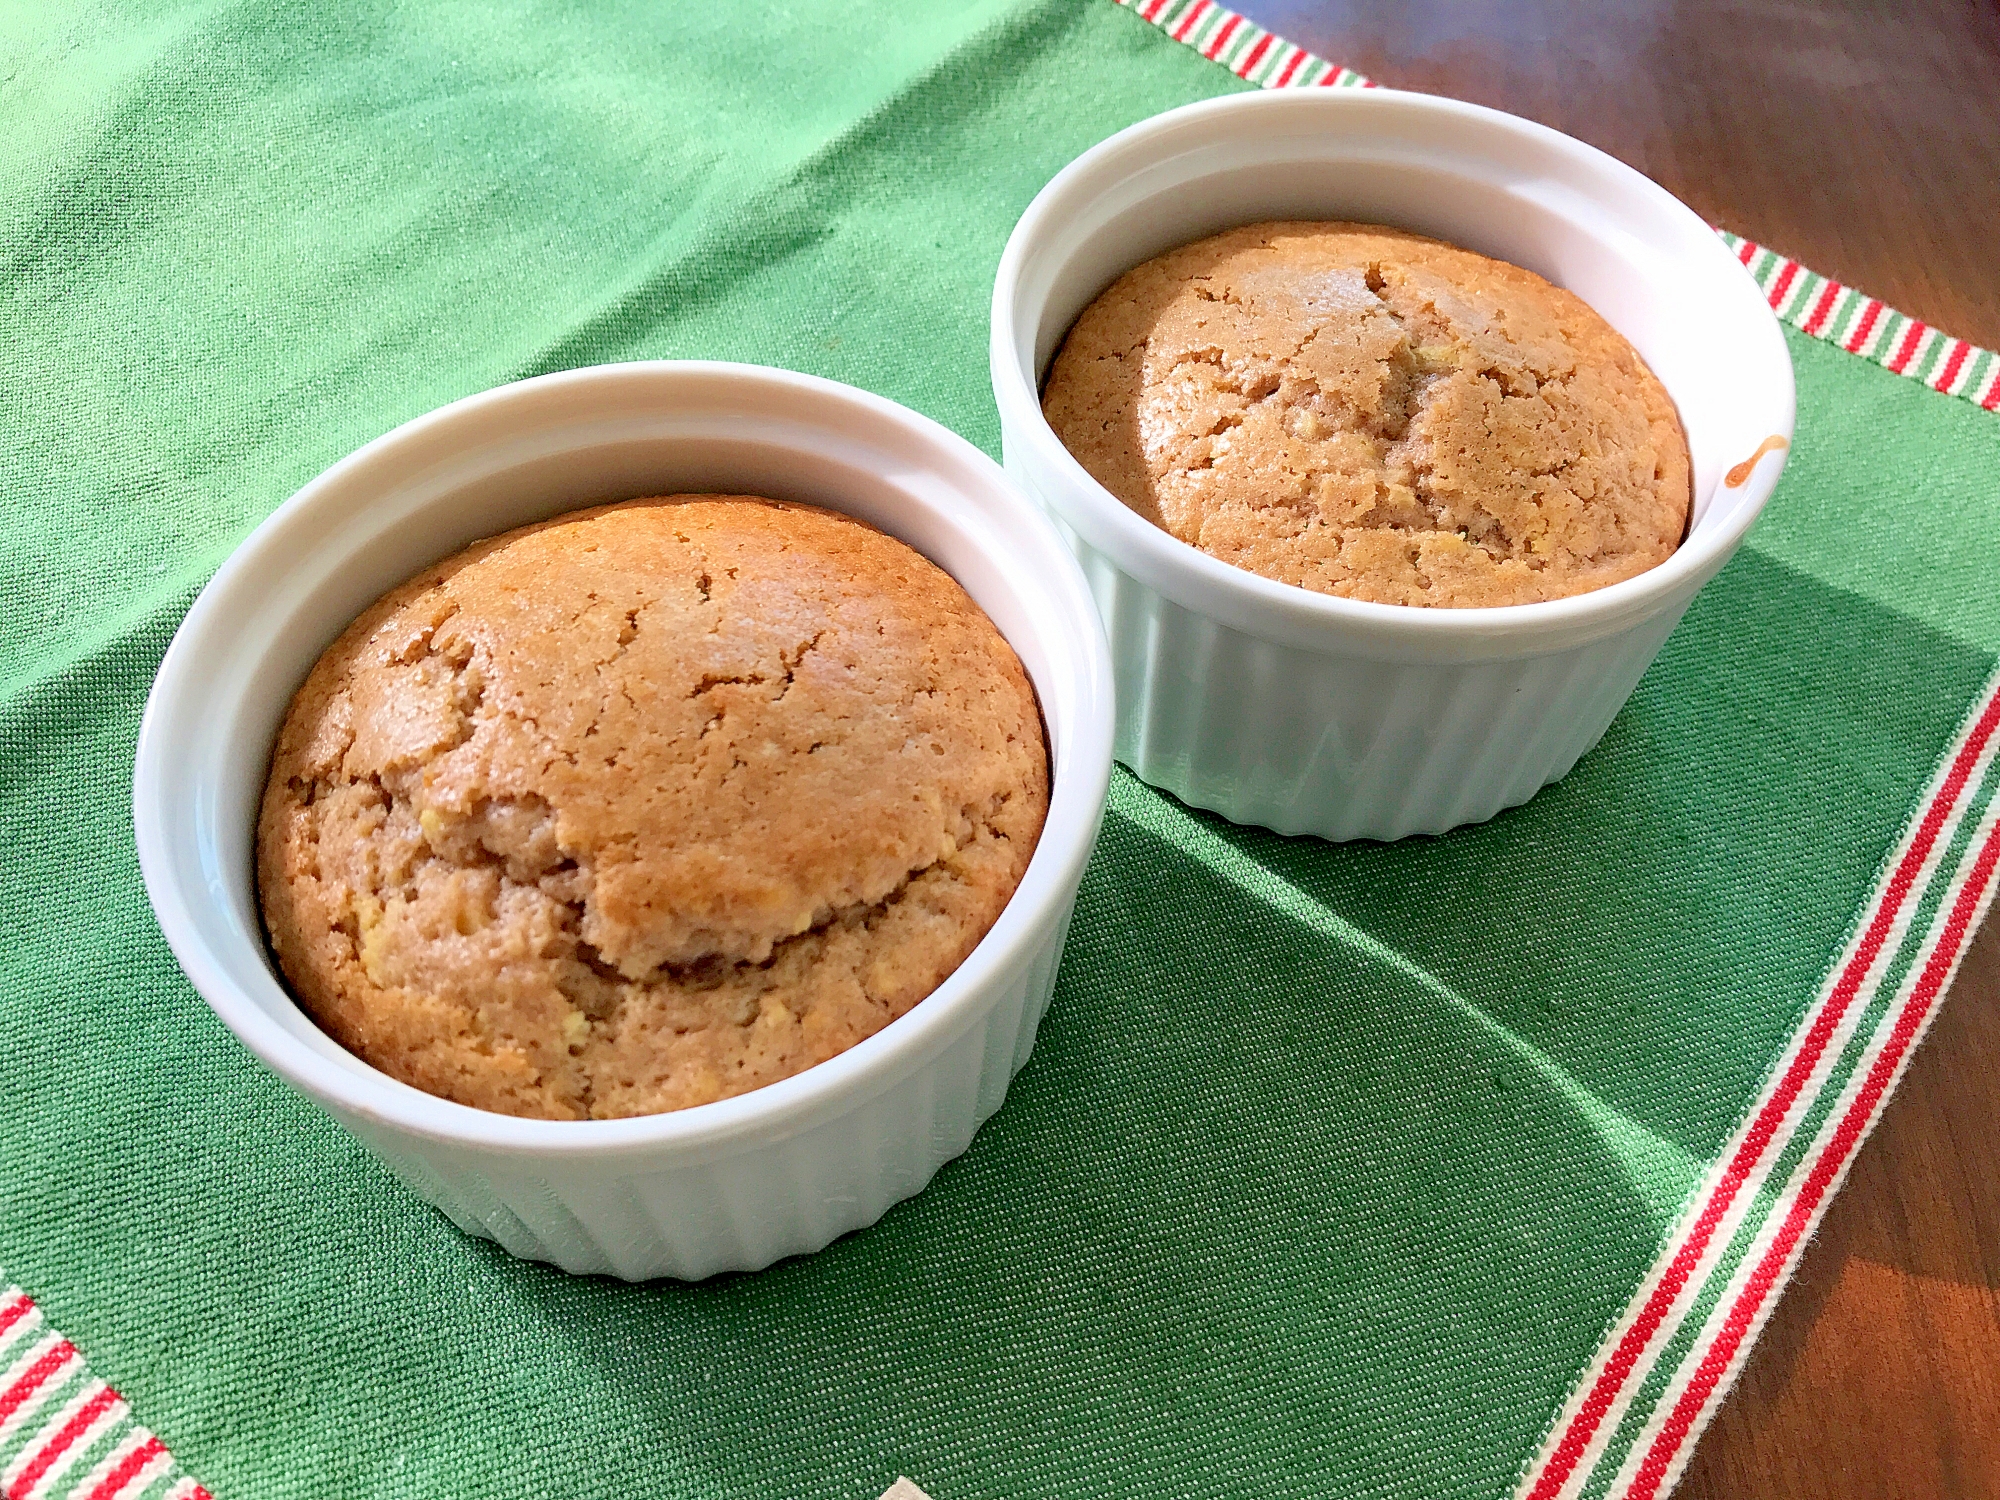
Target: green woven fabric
(1332, 1163)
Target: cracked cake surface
(647, 806)
(1367, 412)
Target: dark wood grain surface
(1863, 138)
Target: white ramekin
(727, 1186)
(1311, 714)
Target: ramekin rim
(1079, 776)
(1164, 559)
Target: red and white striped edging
(1242, 46)
(1576, 1446)
(1811, 303)
(65, 1434)
(1860, 324)
(1690, 1400)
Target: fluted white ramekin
(732, 1185)
(1312, 714)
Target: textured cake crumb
(1366, 412)
(647, 806)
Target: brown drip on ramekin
(1736, 477)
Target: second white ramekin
(727, 1186)
(1307, 713)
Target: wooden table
(1864, 139)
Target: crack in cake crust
(647, 806)
(1367, 412)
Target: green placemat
(1361, 1170)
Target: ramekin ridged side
(740, 1211)
(1307, 713)
(728, 1186)
(1344, 746)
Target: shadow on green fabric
(1302, 1109)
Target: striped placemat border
(1860, 324)
(1633, 1415)
(1242, 46)
(64, 1433)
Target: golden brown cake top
(1371, 413)
(647, 805)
